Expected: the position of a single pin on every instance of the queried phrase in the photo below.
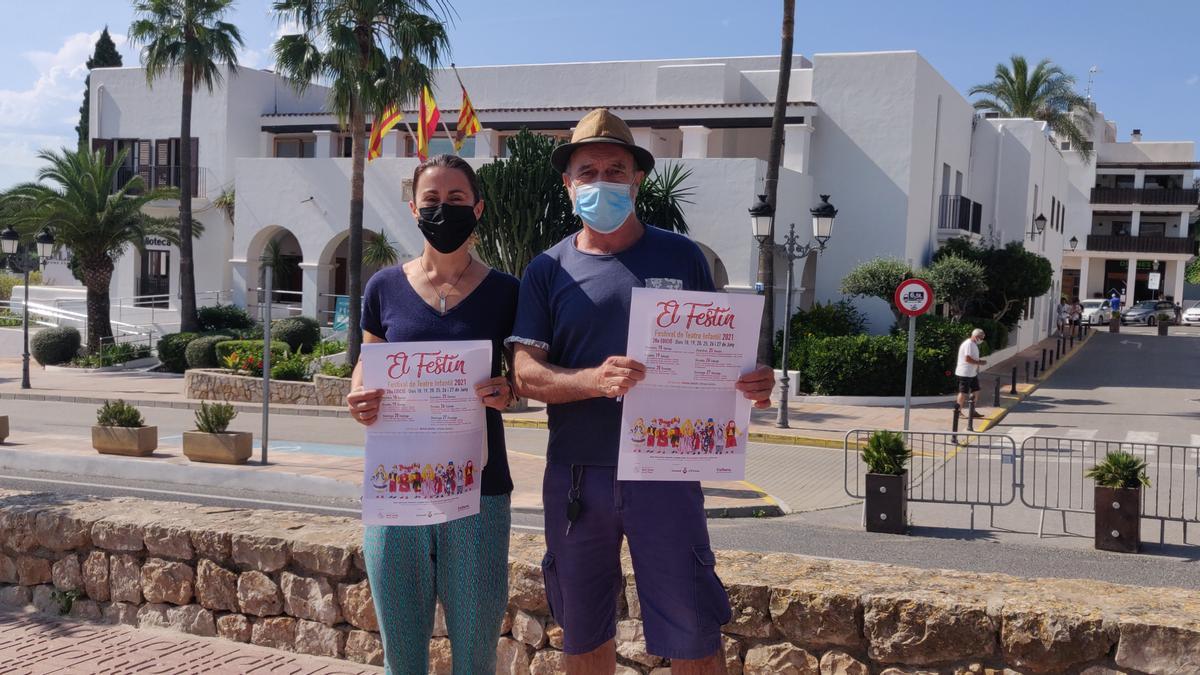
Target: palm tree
(371, 54)
(188, 35)
(1047, 94)
(77, 196)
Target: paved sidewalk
(36, 644)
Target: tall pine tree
(105, 56)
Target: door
(156, 279)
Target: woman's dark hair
(450, 162)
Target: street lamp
(24, 263)
(822, 229)
(1039, 226)
(1074, 241)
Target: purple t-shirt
(575, 305)
(394, 311)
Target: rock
(61, 532)
(15, 596)
(633, 603)
(153, 615)
(817, 619)
(528, 629)
(124, 579)
(265, 554)
(66, 574)
(1101, 670)
(120, 613)
(733, 655)
(165, 581)
(926, 628)
(333, 561)
(439, 620)
(88, 610)
(623, 669)
(8, 570)
(234, 627)
(548, 662)
(631, 643)
(834, 662)
(211, 544)
(526, 590)
(309, 598)
(780, 658)
(277, 632)
(1040, 641)
(95, 575)
(918, 671)
(554, 634)
(216, 587)
(43, 599)
(319, 640)
(440, 659)
(168, 541)
(258, 595)
(118, 536)
(751, 611)
(506, 622)
(1158, 649)
(192, 619)
(18, 531)
(364, 647)
(512, 657)
(32, 571)
(358, 606)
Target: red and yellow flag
(468, 121)
(380, 128)
(427, 124)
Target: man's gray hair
(977, 332)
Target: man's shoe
(977, 415)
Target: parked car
(1096, 312)
(1146, 312)
(1191, 315)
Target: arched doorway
(278, 245)
(720, 275)
(334, 280)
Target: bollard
(1035, 370)
(1026, 372)
(971, 411)
(1051, 357)
(1072, 344)
(1058, 349)
(996, 394)
(954, 422)
(1043, 362)
(1013, 390)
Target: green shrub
(224, 317)
(202, 351)
(886, 453)
(172, 351)
(872, 365)
(111, 355)
(1119, 470)
(53, 346)
(995, 332)
(329, 347)
(294, 367)
(118, 413)
(823, 320)
(255, 347)
(336, 369)
(301, 333)
(9, 281)
(215, 418)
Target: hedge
(52, 346)
(172, 349)
(873, 365)
(279, 350)
(202, 351)
(301, 333)
(224, 317)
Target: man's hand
(757, 386)
(364, 405)
(495, 393)
(617, 375)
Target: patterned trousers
(463, 563)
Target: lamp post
(1074, 241)
(24, 263)
(1039, 226)
(761, 220)
(265, 261)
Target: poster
(426, 450)
(341, 314)
(686, 421)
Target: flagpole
(410, 131)
(457, 77)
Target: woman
(445, 294)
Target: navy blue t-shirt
(393, 310)
(575, 305)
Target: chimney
(1136, 135)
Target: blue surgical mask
(603, 206)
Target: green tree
(1046, 93)
(878, 279)
(379, 252)
(958, 282)
(1013, 274)
(189, 37)
(78, 198)
(371, 54)
(105, 55)
(1193, 271)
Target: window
(1152, 229)
(1065, 145)
(295, 147)
(440, 145)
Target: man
(569, 351)
(967, 370)
(1115, 302)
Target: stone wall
(331, 390)
(296, 582)
(219, 385)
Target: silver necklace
(441, 296)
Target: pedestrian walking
(967, 369)
(1064, 316)
(444, 294)
(1076, 316)
(569, 351)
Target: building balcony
(1152, 196)
(957, 214)
(1126, 244)
(163, 177)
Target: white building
(906, 159)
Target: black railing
(1100, 242)
(161, 177)
(959, 213)
(1156, 196)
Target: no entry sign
(914, 297)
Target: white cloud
(1193, 80)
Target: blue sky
(1148, 77)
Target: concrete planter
(1118, 519)
(1114, 324)
(1162, 328)
(231, 447)
(887, 503)
(127, 441)
(3, 427)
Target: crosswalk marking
(1141, 437)
(1196, 440)
(1081, 434)
(1021, 434)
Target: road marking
(529, 528)
(1132, 342)
(1081, 434)
(1141, 437)
(183, 494)
(1196, 440)
(1022, 434)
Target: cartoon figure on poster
(686, 437)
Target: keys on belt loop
(574, 501)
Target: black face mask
(447, 226)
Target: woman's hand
(364, 405)
(495, 393)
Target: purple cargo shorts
(682, 600)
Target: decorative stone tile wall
(296, 582)
(218, 385)
(331, 390)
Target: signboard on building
(341, 314)
(156, 241)
(1154, 281)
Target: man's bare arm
(536, 378)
